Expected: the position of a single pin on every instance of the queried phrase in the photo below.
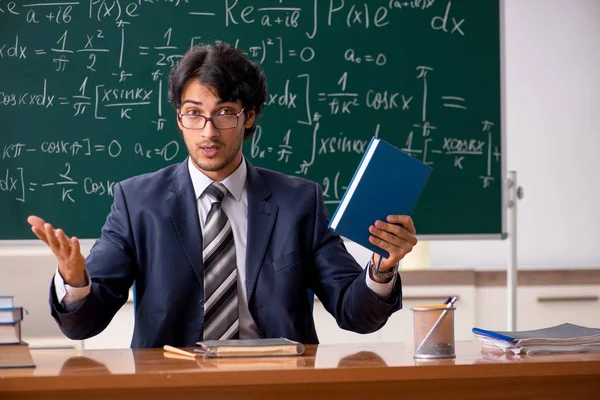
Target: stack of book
(564, 338)
(14, 353)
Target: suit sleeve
(112, 267)
(340, 282)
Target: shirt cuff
(383, 290)
(68, 295)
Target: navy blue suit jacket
(152, 236)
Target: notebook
(555, 339)
(250, 348)
(387, 181)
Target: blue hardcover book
(387, 181)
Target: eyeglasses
(220, 121)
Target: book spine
(339, 212)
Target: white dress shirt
(236, 209)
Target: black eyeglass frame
(211, 119)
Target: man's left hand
(396, 235)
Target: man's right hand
(71, 263)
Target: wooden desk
(378, 371)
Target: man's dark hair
(225, 68)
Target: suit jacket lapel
(184, 212)
(261, 219)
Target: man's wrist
(75, 281)
(381, 276)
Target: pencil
(175, 350)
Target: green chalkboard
(83, 99)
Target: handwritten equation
(85, 98)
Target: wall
(552, 75)
(552, 59)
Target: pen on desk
(449, 304)
(175, 350)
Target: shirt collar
(234, 182)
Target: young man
(218, 248)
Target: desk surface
(326, 371)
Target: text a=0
(168, 152)
(350, 55)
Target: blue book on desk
(387, 181)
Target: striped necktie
(220, 275)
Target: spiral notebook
(564, 338)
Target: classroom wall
(552, 75)
(552, 60)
